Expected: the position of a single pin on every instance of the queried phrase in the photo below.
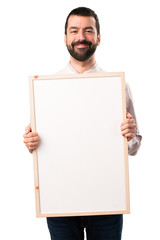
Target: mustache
(81, 42)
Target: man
(82, 36)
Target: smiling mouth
(82, 44)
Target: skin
(81, 28)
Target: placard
(81, 164)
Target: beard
(82, 54)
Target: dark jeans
(108, 227)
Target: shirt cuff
(134, 145)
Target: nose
(81, 35)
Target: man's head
(82, 33)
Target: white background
(31, 43)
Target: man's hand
(128, 127)
(31, 139)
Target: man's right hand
(31, 139)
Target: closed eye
(89, 31)
(73, 31)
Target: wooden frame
(81, 165)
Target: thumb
(129, 115)
(28, 129)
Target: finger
(128, 131)
(30, 135)
(32, 139)
(128, 121)
(32, 148)
(130, 136)
(128, 126)
(32, 144)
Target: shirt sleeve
(134, 144)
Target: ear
(65, 39)
(99, 39)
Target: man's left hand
(128, 127)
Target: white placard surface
(81, 164)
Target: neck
(80, 66)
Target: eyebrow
(84, 28)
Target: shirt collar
(94, 68)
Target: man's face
(81, 38)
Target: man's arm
(135, 142)
(31, 139)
